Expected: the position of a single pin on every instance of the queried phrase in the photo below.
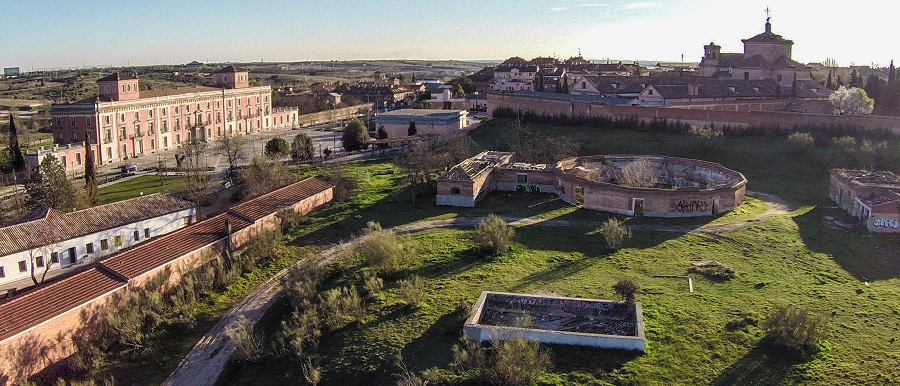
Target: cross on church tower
(768, 15)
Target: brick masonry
(698, 116)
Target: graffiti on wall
(528, 188)
(688, 206)
(885, 222)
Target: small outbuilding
(871, 196)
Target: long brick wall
(330, 115)
(36, 327)
(562, 106)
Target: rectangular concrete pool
(557, 320)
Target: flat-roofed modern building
(427, 121)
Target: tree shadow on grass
(574, 358)
(867, 257)
(435, 346)
(763, 365)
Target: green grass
(686, 335)
(785, 258)
(134, 187)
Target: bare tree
(40, 258)
(637, 174)
(264, 175)
(234, 148)
(197, 187)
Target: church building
(765, 56)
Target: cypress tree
(90, 173)
(829, 84)
(565, 84)
(794, 87)
(15, 153)
(839, 82)
(891, 73)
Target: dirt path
(202, 366)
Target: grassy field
(787, 258)
(849, 279)
(134, 187)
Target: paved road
(203, 365)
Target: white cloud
(591, 5)
(642, 5)
(559, 9)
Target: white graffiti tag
(886, 222)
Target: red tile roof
(47, 226)
(145, 257)
(259, 207)
(43, 303)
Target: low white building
(52, 242)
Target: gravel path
(202, 366)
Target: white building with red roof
(51, 242)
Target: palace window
(23, 267)
(89, 247)
(104, 244)
(39, 261)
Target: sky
(41, 34)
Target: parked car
(129, 168)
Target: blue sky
(44, 34)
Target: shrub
(626, 289)
(412, 291)
(707, 139)
(248, 345)
(265, 246)
(312, 373)
(340, 303)
(300, 283)
(493, 236)
(615, 232)
(517, 362)
(793, 327)
(800, 141)
(637, 174)
(383, 250)
(88, 356)
(303, 332)
(372, 283)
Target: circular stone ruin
(653, 186)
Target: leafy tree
(874, 89)
(412, 129)
(15, 153)
(382, 133)
(277, 148)
(50, 187)
(851, 101)
(459, 92)
(302, 148)
(426, 105)
(355, 137)
(90, 173)
(464, 84)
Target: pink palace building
(126, 122)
